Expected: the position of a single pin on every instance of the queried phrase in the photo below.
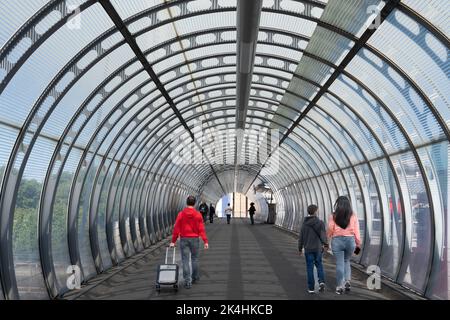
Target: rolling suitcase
(167, 274)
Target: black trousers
(211, 218)
(228, 218)
(251, 219)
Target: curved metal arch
(319, 156)
(419, 164)
(427, 101)
(222, 109)
(216, 9)
(293, 153)
(318, 85)
(401, 72)
(110, 240)
(48, 196)
(27, 31)
(114, 74)
(307, 163)
(370, 168)
(424, 22)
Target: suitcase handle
(167, 254)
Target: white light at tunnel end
(218, 145)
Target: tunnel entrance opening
(241, 203)
(238, 201)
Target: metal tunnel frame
(122, 178)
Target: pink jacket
(352, 229)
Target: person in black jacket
(203, 208)
(313, 239)
(212, 211)
(252, 212)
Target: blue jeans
(314, 259)
(190, 246)
(343, 248)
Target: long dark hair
(342, 211)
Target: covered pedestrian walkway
(112, 112)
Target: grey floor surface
(258, 262)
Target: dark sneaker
(347, 286)
(187, 285)
(321, 287)
(195, 280)
(339, 291)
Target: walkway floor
(244, 262)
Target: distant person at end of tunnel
(189, 227)
(228, 212)
(252, 211)
(203, 208)
(343, 229)
(313, 239)
(212, 212)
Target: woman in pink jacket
(343, 230)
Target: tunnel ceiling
(112, 111)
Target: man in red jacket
(189, 227)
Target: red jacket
(189, 224)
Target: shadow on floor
(244, 262)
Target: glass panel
(27, 265)
(393, 218)
(286, 22)
(81, 93)
(399, 97)
(420, 55)
(418, 254)
(352, 16)
(436, 159)
(129, 8)
(206, 22)
(368, 108)
(435, 11)
(46, 62)
(332, 187)
(335, 130)
(14, 14)
(87, 261)
(104, 183)
(9, 136)
(352, 123)
(60, 245)
(374, 229)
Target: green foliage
(25, 226)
